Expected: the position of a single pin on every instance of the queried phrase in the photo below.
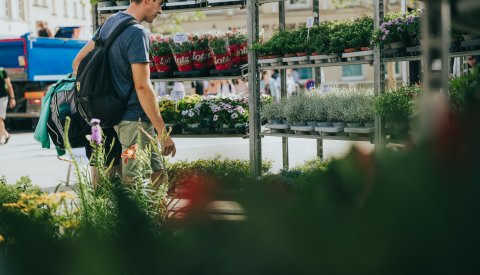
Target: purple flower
(96, 134)
(399, 28)
(94, 121)
(384, 37)
(387, 32)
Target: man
(5, 86)
(129, 61)
(43, 30)
(472, 61)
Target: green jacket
(41, 133)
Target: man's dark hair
(138, 1)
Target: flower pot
(122, 3)
(298, 123)
(365, 49)
(235, 54)
(311, 123)
(387, 46)
(398, 45)
(183, 61)
(264, 57)
(244, 53)
(350, 50)
(289, 55)
(273, 56)
(200, 59)
(274, 121)
(222, 61)
(368, 124)
(104, 4)
(302, 54)
(338, 124)
(163, 63)
(314, 54)
(354, 125)
(151, 65)
(323, 124)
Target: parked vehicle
(34, 63)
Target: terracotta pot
(183, 61)
(314, 54)
(272, 56)
(365, 49)
(263, 57)
(350, 50)
(163, 63)
(302, 54)
(289, 55)
(222, 61)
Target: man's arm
(11, 93)
(148, 100)
(81, 55)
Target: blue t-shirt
(130, 47)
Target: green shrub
(222, 171)
(295, 108)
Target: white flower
(184, 112)
(234, 115)
(190, 114)
(230, 111)
(198, 105)
(215, 117)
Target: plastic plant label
(177, 95)
(310, 22)
(325, 88)
(180, 38)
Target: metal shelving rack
(435, 78)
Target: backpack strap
(107, 43)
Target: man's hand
(168, 147)
(12, 103)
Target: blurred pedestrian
(7, 97)
(43, 30)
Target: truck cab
(34, 63)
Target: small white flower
(190, 114)
(230, 111)
(215, 117)
(184, 112)
(234, 115)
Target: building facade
(18, 17)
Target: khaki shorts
(3, 106)
(127, 132)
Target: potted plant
(220, 50)
(295, 110)
(238, 45)
(319, 110)
(168, 111)
(182, 54)
(201, 55)
(395, 107)
(273, 112)
(191, 117)
(161, 53)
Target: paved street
(23, 156)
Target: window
(75, 10)
(352, 72)
(21, 9)
(84, 7)
(299, 4)
(8, 9)
(65, 8)
(54, 7)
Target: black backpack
(63, 104)
(96, 96)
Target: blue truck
(34, 63)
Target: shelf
(209, 136)
(420, 57)
(235, 73)
(345, 138)
(315, 65)
(181, 7)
